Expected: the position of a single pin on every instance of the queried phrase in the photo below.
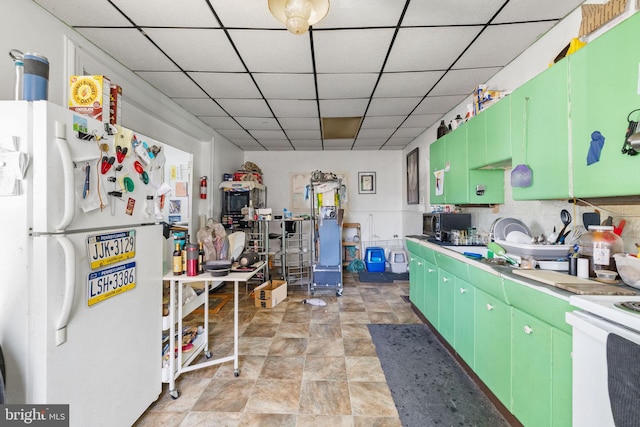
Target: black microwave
(438, 224)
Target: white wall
(379, 215)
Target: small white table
(202, 342)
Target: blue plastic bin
(374, 258)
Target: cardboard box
(270, 293)
(596, 15)
(89, 95)
(115, 105)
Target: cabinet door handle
(463, 290)
(489, 307)
(430, 270)
(419, 263)
(528, 330)
(445, 279)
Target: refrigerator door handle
(68, 178)
(69, 288)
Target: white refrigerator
(80, 292)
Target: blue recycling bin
(374, 259)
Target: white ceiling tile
(399, 141)
(294, 108)
(392, 106)
(268, 134)
(371, 141)
(227, 85)
(422, 49)
(362, 13)
(249, 145)
(396, 85)
(349, 51)
(375, 133)
(258, 123)
(343, 107)
(422, 120)
(82, 12)
(130, 47)
(273, 51)
(174, 84)
(315, 143)
(214, 52)
(526, 10)
(338, 144)
(408, 132)
(336, 86)
(382, 122)
(360, 147)
(245, 14)
(219, 123)
(168, 13)
(304, 134)
(451, 12)
(286, 86)
(463, 82)
(439, 104)
(500, 44)
(245, 107)
(234, 134)
(200, 107)
(289, 123)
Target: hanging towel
(595, 147)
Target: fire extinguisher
(203, 187)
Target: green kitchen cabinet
(436, 163)
(464, 327)
(540, 133)
(431, 291)
(416, 281)
(493, 345)
(561, 378)
(604, 90)
(489, 136)
(531, 370)
(477, 141)
(446, 314)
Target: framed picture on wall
(413, 186)
(366, 182)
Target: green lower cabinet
(446, 314)
(493, 345)
(430, 297)
(416, 281)
(561, 378)
(464, 327)
(531, 370)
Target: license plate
(107, 249)
(107, 283)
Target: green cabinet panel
(493, 345)
(436, 163)
(413, 247)
(487, 282)
(455, 267)
(455, 182)
(540, 133)
(498, 132)
(493, 183)
(428, 254)
(416, 281)
(464, 327)
(604, 90)
(543, 306)
(530, 370)
(561, 379)
(477, 141)
(446, 315)
(430, 297)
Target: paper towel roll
(583, 268)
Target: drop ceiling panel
(286, 86)
(343, 107)
(268, 135)
(500, 44)
(422, 120)
(338, 144)
(422, 49)
(227, 85)
(294, 108)
(290, 123)
(463, 82)
(273, 51)
(362, 13)
(130, 47)
(382, 122)
(82, 12)
(363, 53)
(258, 123)
(248, 144)
(406, 84)
(525, 10)
(439, 104)
(392, 106)
(407, 132)
(375, 133)
(214, 52)
(174, 84)
(305, 134)
(200, 107)
(451, 12)
(398, 142)
(245, 14)
(168, 13)
(245, 107)
(221, 123)
(233, 134)
(337, 86)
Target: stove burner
(633, 306)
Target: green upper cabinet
(540, 133)
(605, 88)
(477, 141)
(436, 163)
(455, 155)
(489, 136)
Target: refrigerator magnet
(131, 203)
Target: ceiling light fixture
(298, 15)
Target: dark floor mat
(428, 386)
(365, 276)
(396, 276)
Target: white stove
(611, 307)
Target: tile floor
(301, 365)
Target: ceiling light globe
(297, 13)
